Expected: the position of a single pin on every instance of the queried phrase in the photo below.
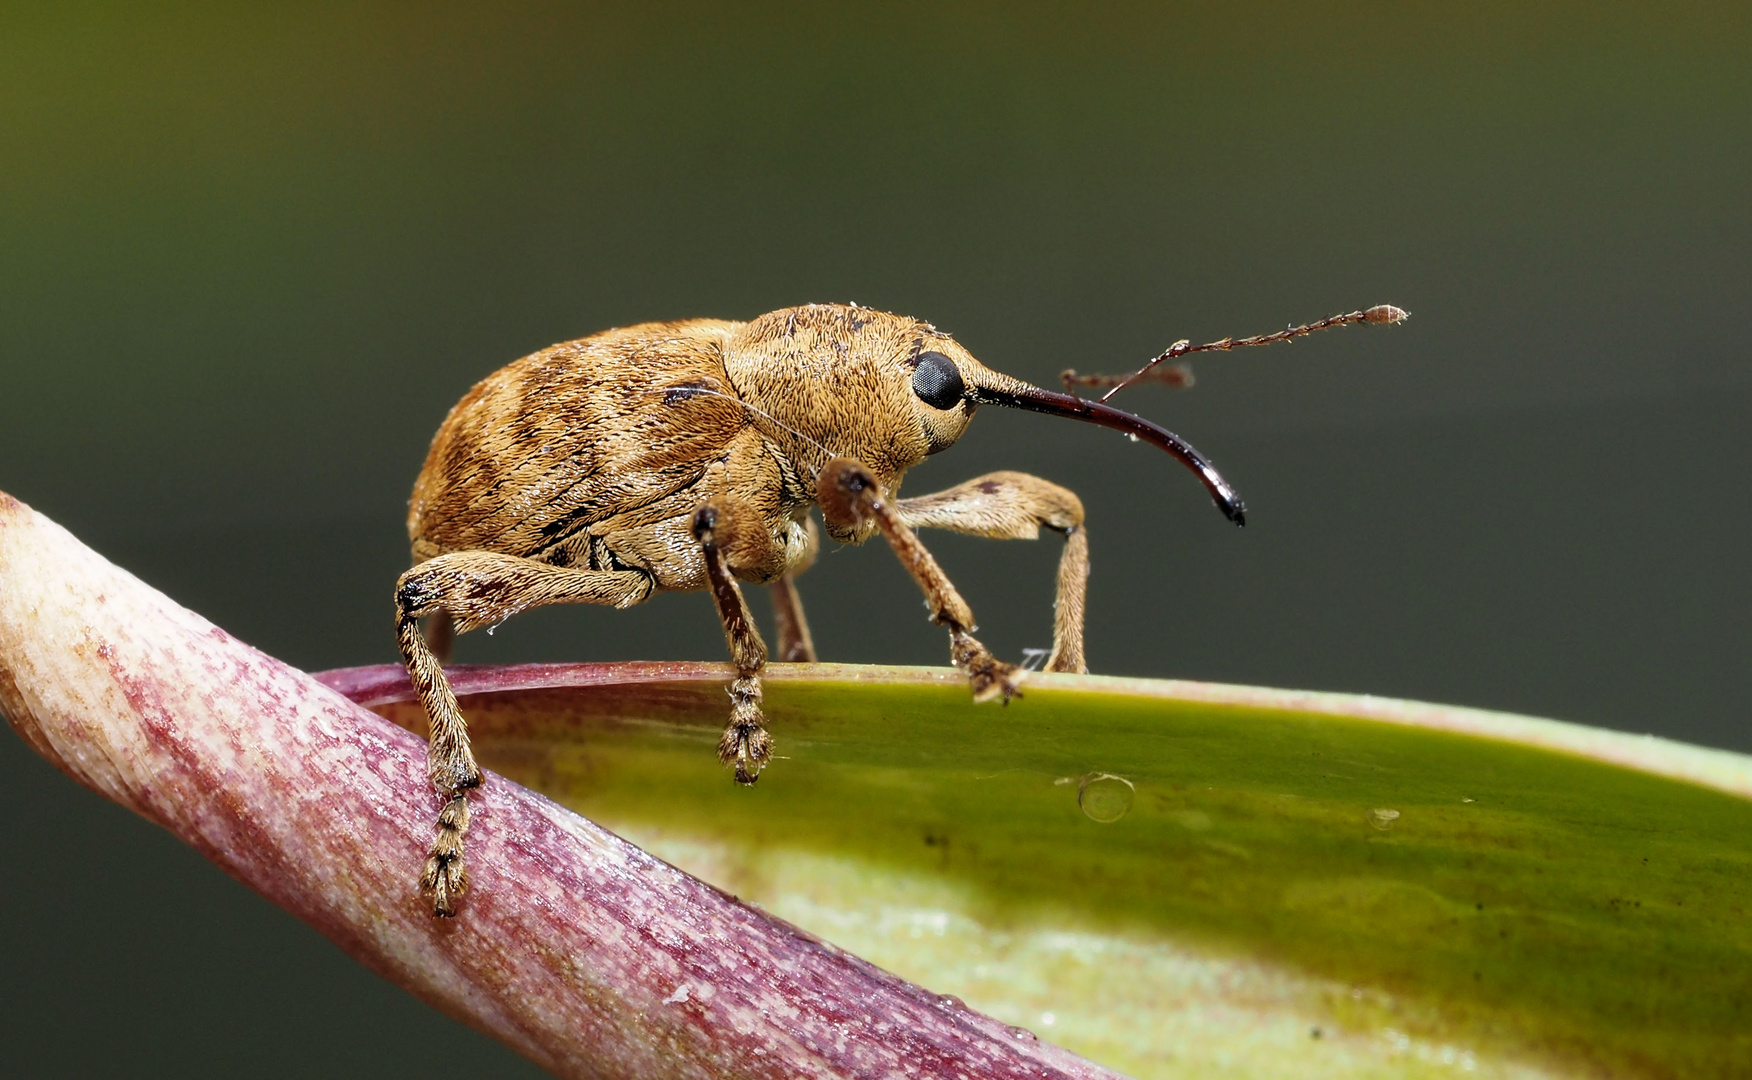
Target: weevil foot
(444, 879)
(991, 678)
(745, 742)
(748, 747)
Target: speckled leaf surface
(1179, 879)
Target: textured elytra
(587, 453)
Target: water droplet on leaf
(1105, 797)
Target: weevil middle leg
(719, 525)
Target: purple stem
(573, 947)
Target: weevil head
(829, 380)
(837, 380)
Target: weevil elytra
(686, 455)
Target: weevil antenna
(1379, 315)
(1015, 394)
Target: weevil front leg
(717, 526)
(471, 589)
(850, 498)
(1014, 506)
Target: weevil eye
(936, 381)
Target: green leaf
(1178, 879)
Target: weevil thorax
(838, 380)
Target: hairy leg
(718, 526)
(850, 496)
(1014, 506)
(795, 644)
(468, 590)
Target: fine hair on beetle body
(682, 456)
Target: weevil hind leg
(467, 590)
(851, 498)
(725, 528)
(796, 646)
(440, 634)
(1015, 506)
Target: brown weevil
(678, 456)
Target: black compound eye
(936, 381)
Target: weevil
(679, 456)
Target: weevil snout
(1016, 394)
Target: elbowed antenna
(1181, 375)
(1020, 395)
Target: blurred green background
(249, 256)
